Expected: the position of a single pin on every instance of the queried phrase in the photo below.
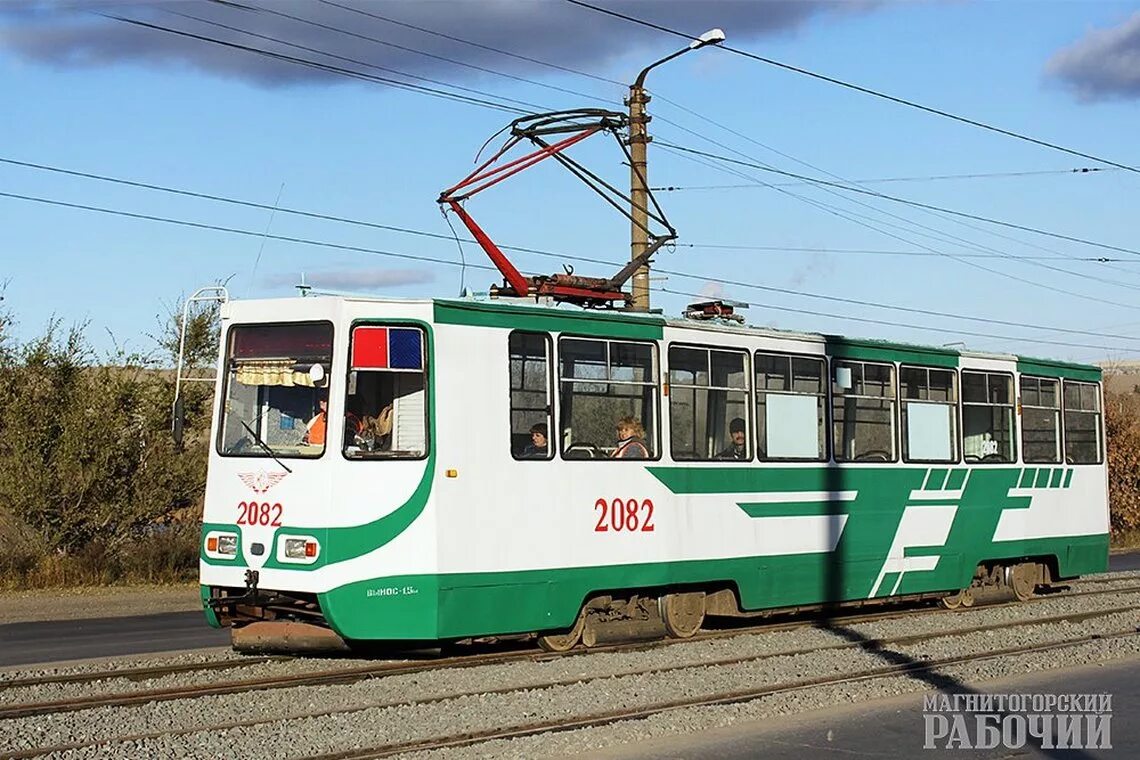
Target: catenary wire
(882, 252)
(827, 208)
(885, 180)
(906, 201)
(860, 88)
(328, 68)
(869, 320)
(749, 138)
(396, 46)
(346, 59)
(944, 237)
(868, 225)
(432, 260)
(472, 43)
(722, 158)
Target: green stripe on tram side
(211, 616)
(1050, 368)
(787, 508)
(239, 558)
(604, 324)
(884, 351)
(348, 542)
(422, 607)
(460, 605)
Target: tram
(376, 472)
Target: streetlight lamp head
(711, 37)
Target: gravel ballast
(374, 726)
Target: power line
(688, 275)
(859, 88)
(863, 223)
(328, 68)
(366, 64)
(884, 180)
(753, 140)
(320, 52)
(896, 199)
(278, 209)
(480, 45)
(386, 43)
(881, 252)
(977, 246)
(234, 230)
(422, 233)
(868, 320)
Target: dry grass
(163, 554)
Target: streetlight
(638, 179)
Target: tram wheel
(1022, 578)
(564, 642)
(683, 614)
(963, 598)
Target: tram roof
(520, 314)
(504, 313)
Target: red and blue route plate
(387, 348)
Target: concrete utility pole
(638, 174)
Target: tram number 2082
(263, 513)
(628, 515)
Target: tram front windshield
(276, 398)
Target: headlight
(221, 545)
(300, 548)
(227, 544)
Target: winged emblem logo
(261, 482)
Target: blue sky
(94, 95)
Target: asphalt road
(1120, 562)
(26, 643)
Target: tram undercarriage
(271, 621)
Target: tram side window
(987, 417)
(1082, 422)
(929, 414)
(1040, 420)
(602, 382)
(532, 408)
(386, 408)
(791, 399)
(863, 411)
(708, 404)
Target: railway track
(611, 717)
(856, 643)
(354, 674)
(140, 674)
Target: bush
(1122, 425)
(92, 488)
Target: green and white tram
(372, 475)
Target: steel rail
(140, 674)
(355, 674)
(872, 645)
(616, 716)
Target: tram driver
(315, 427)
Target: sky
(364, 111)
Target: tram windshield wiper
(264, 446)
